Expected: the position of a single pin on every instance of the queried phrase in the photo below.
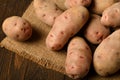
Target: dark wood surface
(12, 66)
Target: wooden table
(15, 67)
(12, 66)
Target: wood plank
(5, 61)
(18, 68)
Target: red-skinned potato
(72, 3)
(106, 58)
(66, 25)
(79, 58)
(95, 32)
(111, 16)
(98, 6)
(46, 11)
(17, 28)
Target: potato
(111, 16)
(79, 58)
(46, 11)
(98, 6)
(71, 3)
(95, 32)
(66, 25)
(17, 28)
(60, 4)
(107, 55)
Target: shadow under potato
(36, 35)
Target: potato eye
(116, 10)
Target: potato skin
(46, 11)
(79, 58)
(111, 16)
(72, 3)
(60, 4)
(98, 6)
(66, 25)
(17, 28)
(95, 32)
(107, 55)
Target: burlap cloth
(35, 49)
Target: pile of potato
(98, 23)
(93, 20)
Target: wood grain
(18, 68)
